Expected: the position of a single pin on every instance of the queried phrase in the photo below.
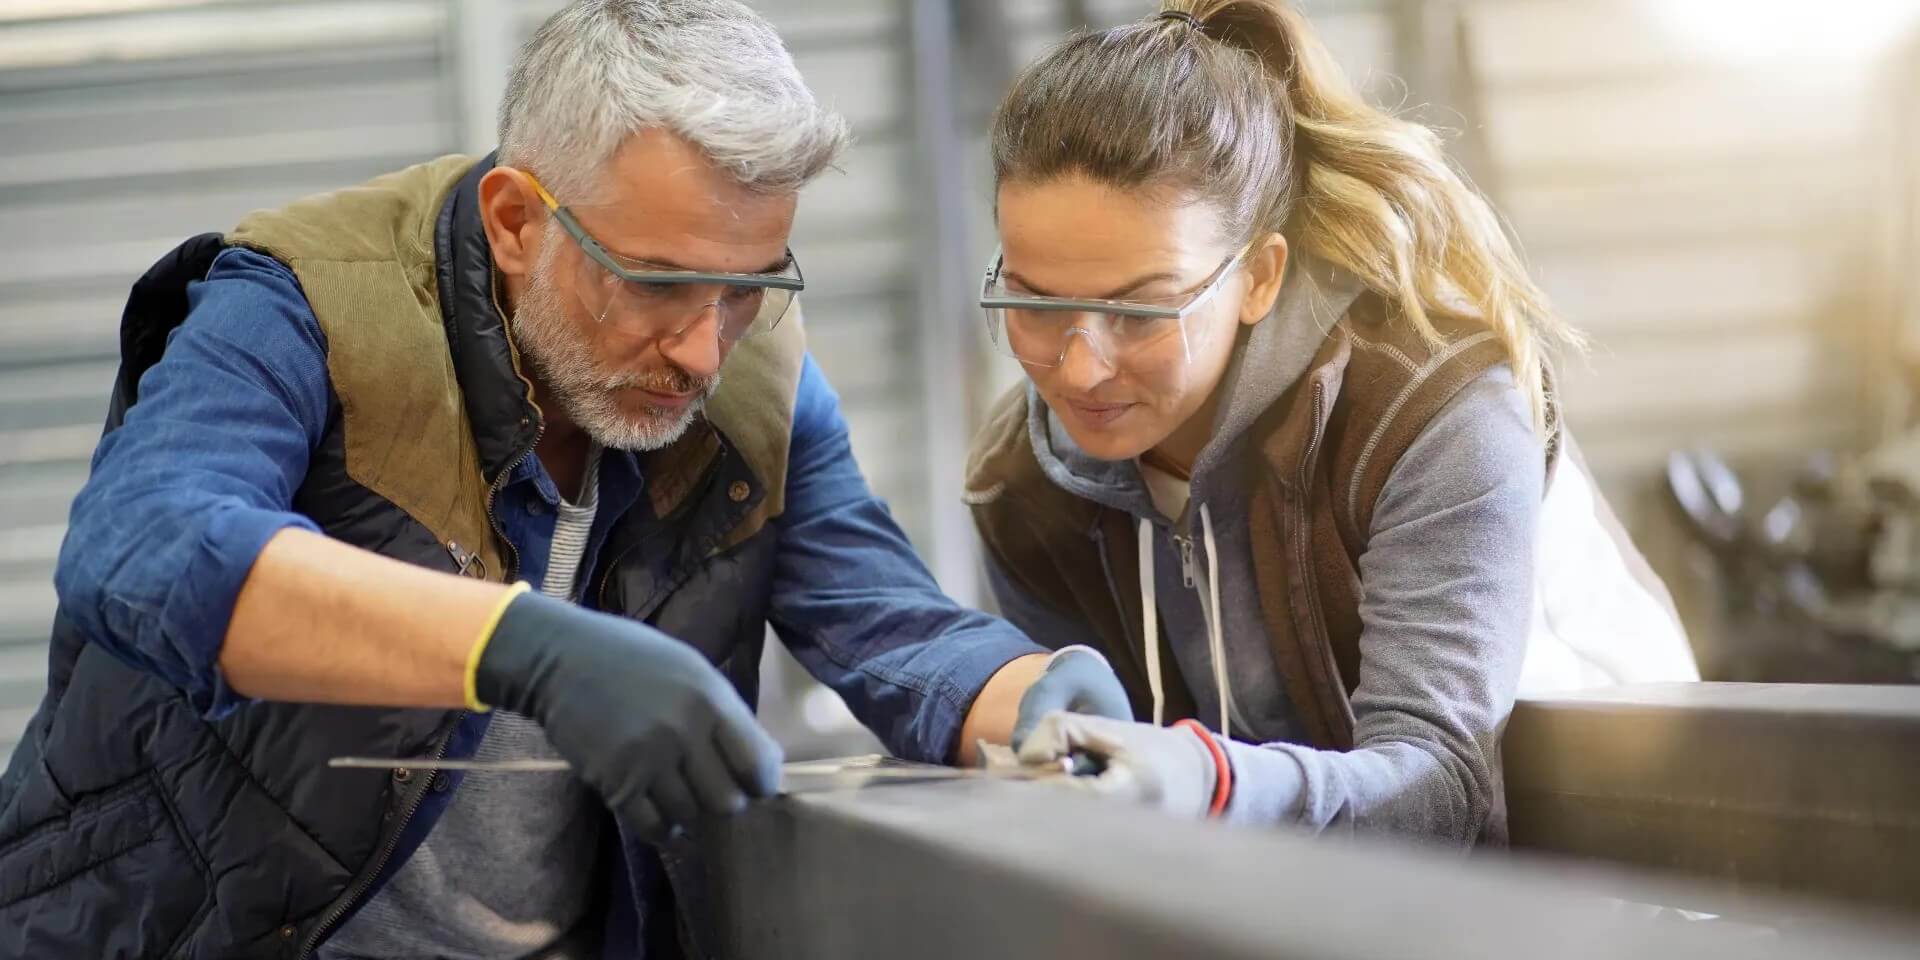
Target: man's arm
(863, 614)
(185, 558)
(319, 621)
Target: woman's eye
(1126, 325)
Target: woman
(1287, 440)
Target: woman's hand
(1171, 768)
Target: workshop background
(1722, 193)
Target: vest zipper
(513, 553)
(1317, 639)
(359, 886)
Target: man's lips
(659, 398)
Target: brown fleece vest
(1325, 451)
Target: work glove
(1170, 768)
(642, 718)
(1077, 679)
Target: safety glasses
(1037, 330)
(647, 300)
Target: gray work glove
(643, 718)
(1165, 767)
(1078, 680)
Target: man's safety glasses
(644, 299)
(1037, 330)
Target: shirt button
(441, 782)
(739, 491)
(537, 507)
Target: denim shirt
(204, 472)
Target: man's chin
(641, 432)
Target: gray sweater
(1446, 585)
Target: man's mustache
(672, 380)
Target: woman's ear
(1266, 266)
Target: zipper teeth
(1306, 559)
(493, 491)
(386, 853)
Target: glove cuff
(1076, 648)
(472, 681)
(1222, 768)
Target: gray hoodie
(1446, 593)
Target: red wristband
(1223, 771)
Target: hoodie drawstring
(1150, 622)
(1217, 635)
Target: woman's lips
(1098, 414)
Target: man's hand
(1073, 678)
(1077, 680)
(643, 718)
(1170, 768)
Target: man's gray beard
(563, 361)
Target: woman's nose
(1083, 364)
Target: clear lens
(664, 309)
(1040, 336)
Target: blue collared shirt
(205, 468)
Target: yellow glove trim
(480, 646)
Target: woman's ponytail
(1377, 196)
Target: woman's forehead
(1080, 236)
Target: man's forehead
(663, 201)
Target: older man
(441, 465)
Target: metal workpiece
(985, 868)
(1810, 789)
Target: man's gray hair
(712, 71)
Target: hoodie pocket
(111, 878)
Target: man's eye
(655, 291)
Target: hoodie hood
(1271, 357)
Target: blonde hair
(1238, 103)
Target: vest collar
(499, 399)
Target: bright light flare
(1792, 29)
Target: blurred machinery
(1819, 582)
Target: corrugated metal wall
(119, 138)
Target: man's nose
(697, 349)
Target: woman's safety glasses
(647, 300)
(1037, 330)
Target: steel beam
(1777, 787)
(969, 869)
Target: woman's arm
(1447, 581)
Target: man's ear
(1266, 266)
(514, 218)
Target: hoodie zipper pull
(1186, 558)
